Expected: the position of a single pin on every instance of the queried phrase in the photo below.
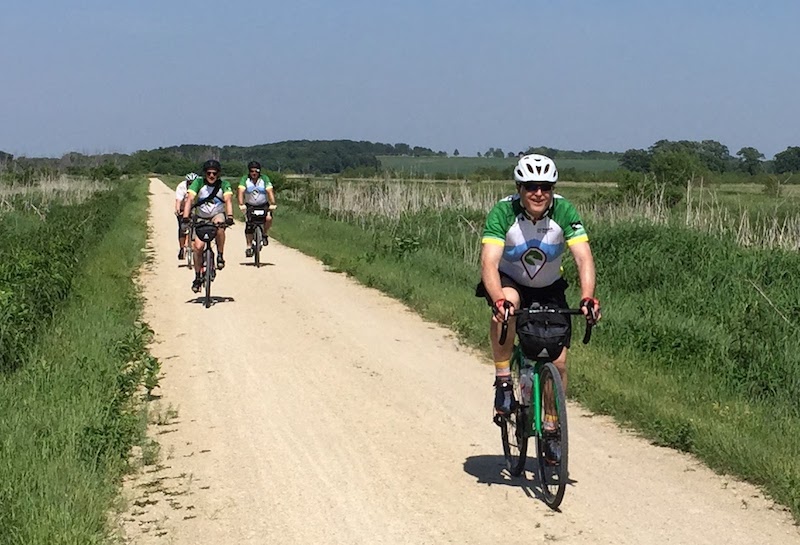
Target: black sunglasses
(535, 186)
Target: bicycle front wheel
(209, 275)
(189, 256)
(258, 240)
(514, 432)
(553, 443)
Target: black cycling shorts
(553, 295)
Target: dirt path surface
(313, 410)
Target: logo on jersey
(577, 226)
(533, 260)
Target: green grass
(420, 166)
(691, 351)
(68, 413)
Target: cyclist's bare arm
(491, 254)
(271, 196)
(240, 196)
(582, 253)
(187, 207)
(228, 198)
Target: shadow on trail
(214, 300)
(251, 264)
(490, 469)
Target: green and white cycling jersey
(199, 190)
(255, 193)
(532, 250)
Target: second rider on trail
(255, 192)
(214, 204)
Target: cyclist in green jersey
(255, 192)
(523, 241)
(213, 203)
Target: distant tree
(636, 160)
(402, 149)
(750, 160)
(455, 153)
(712, 154)
(511, 154)
(788, 160)
(543, 150)
(676, 167)
(715, 156)
(498, 153)
(479, 154)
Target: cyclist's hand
(273, 206)
(501, 310)
(591, 309)
(243, 207)
(229, 220)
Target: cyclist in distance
(214, 204)
(255, 192)
(180, 200)
(523, 241)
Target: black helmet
(212, 164)
(254, 164)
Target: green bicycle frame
(517, 361)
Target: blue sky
(99, 77)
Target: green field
(414, 167)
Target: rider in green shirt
(523, 241)
(255, 192)
(210, 196)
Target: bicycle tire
(514, 433)
(257, 240)
(553, 476)
(209, 275)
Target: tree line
(295, 156)
(710, 156)
(339, 156)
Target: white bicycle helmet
(191, 177)
(535, 168)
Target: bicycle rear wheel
(553, 473)
(257, 240)
(209, 275)
(189, 255)
(514, 432)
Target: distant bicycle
(540, 396)
(207, 232)
(256, 217)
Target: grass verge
(69, 413)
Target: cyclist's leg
(555, 296)
(181, 237)
(220, 240)
(197, 249)
(248, 227)
(502, 353)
